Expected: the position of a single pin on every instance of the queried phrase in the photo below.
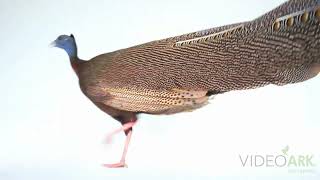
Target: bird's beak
(53, 44)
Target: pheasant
(180, 73)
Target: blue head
(68, 43)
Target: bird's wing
(148, 101)
(240, 56)
(183, 62)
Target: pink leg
(123, 128)
(123, 158)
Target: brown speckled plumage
(277, 48)
(180, 73)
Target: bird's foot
(116, 165)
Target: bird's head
(68, 43)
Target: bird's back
(280, 47)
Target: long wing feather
(239, 56)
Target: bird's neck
(71, 50)
(76, 64)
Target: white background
(50, 130)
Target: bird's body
(155, 77)
(180, 73)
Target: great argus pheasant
(179, 74)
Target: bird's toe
(116, 165)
